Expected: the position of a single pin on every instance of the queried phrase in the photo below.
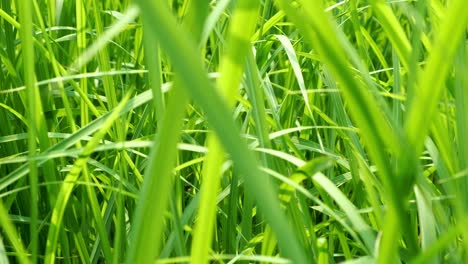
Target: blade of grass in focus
(34, 113)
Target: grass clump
(233, 131)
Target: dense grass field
(236, 131)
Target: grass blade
(182, 50)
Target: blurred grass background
(233, 131)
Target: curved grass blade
(366, 233)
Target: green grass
(233, 131)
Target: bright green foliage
(245, 131)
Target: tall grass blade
(231, 69)
(34, 110)
(181, 51)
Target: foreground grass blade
(376, 128)
(148, 226)
(182, 52)
(25, 10)
(422, 109)
(393, 29)
(363, 107)
(231, 69)
(431, 85)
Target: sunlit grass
(233, 131)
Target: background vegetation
(233, 131)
